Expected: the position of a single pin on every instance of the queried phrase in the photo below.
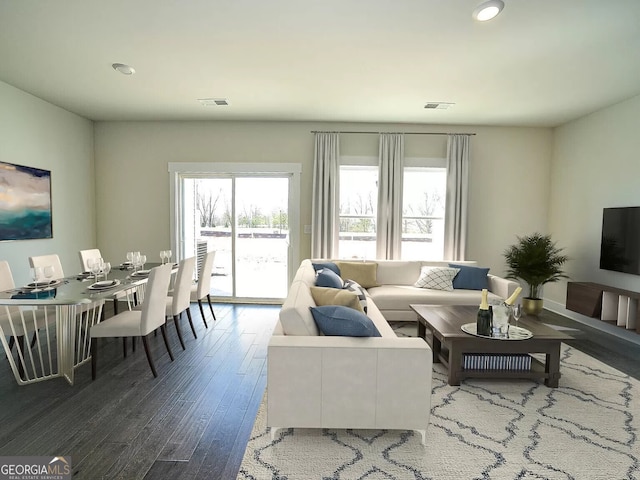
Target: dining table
(58, 315)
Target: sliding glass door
(246, 219)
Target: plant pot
(532, 306)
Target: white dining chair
(202, 289)
(138, 322)
(86, 255)
(48, 260)
(179, 300)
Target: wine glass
(130, 257)
(36, 274)
(48, 273)
(143, 260)
(163, 256)
(95, 268)
(168, 252)
(106, 268)
(516, 311)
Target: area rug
(587, 429)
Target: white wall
(596, 164)
(509, 174)
(38, 134)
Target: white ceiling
(539, 63)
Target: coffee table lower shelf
(535, 372)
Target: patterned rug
(587, 429)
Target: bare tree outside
(206, 203)
(432, 203)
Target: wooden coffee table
(449, 343)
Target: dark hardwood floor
(194, 420)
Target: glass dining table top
(78, 289)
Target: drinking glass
(90, 262)
(163, 256)
(36, 274)
(500, 320)
(48, 273)
(143, 260)
(106, 268)
(168, 256)
(516, 311)
(95, 269)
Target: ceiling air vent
(438, 105)
(209, 102)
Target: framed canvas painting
(25, 202)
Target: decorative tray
(514, 333)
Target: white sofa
(316, 381)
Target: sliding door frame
(291, 170)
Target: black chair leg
(133, 344)
(148, 352)
(191, 322)
(94, 357)
(176, 319)
(33, 339)
(166, 341)
(124, 346)
(202, 313)
(211, 307)
(12, 342)
(115, 306)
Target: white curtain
(455, 217)
(325, 223)
(389, 228)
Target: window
(424, 193)
(358, 210)
(423, 201)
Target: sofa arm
(344, 382)
(502, 286)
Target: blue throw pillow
(328, 278)
(470, 277)
(330, 265)
(337, 320)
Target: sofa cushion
(358, 291)
(337, 320)
(328, 278)
(330, 265)
(336, 296)
(470, 278)
(362, 272)
(399, 297)
(295, 317)
(437, 278)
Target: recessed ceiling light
(124, 69)
(208, 102)
(488, 10)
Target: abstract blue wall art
(25, 202)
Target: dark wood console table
(609, 304)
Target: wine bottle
(483, 322)
(512, 299)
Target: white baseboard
(629, 335)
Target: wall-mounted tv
(620, 243)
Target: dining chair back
(179, 300)
(182, 286)
(6, 311)
(48, 260)
(153, 306)
(203, 288)
(86, 255)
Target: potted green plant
(536, 260)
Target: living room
(111, 186)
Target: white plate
(46, 284)
(104, 285)
(141, 273)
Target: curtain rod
(404, 133)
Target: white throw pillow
(437, 278)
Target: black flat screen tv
(620, 243)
